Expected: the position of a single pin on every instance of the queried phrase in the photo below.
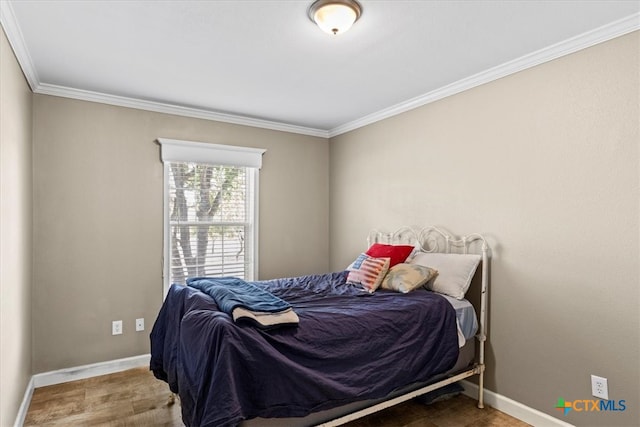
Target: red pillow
(397, 253)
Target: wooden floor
(136, 398)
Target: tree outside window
(210, 210)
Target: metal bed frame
(433, 239)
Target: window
(210, 210)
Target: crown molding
(591, 38)
(160, 107)
(16, 40)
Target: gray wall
(15, 232)
(545, 163)
(98, 220)
(548, 159)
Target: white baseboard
(24, 406)
(513, 408)
(76, 373)
(501, 403)
(88, 371)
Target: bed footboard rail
(475, 370)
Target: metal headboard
(434, 239)
(429, 239)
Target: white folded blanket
(266, 320)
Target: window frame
(176, 151)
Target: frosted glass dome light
(335, 16)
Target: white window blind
(210, 210)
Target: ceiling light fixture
(335, 16)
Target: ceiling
(264, 63)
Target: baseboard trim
(513, 408)
(24, 406)
(501, 403)
(88, 371)
(77, 373)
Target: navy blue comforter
(350, 345)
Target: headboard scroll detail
(430, 239)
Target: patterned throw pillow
(407, 277)
(368, 272)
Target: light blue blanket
(232, 292)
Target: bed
(354, 350)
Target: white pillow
(455, 271)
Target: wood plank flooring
(135, 398)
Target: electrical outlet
(599, 387)
(139, 325)
(116, 327)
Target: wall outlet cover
(599, 387)
(116, 327)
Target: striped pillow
(368, 272)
